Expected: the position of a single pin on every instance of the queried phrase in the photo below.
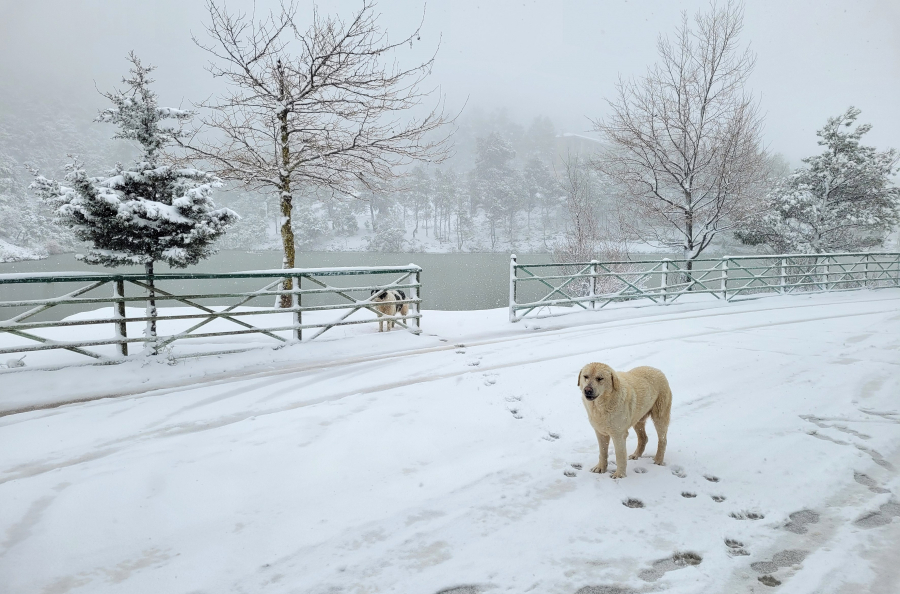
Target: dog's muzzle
(589, 394)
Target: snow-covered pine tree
(843, 200)
(149, 212)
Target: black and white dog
(385, 300)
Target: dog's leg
(621, 454)
(660, 413)
(662, 428)
(603, 442)
(642, 438)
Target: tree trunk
(287, 240)
(372, 213)
(150, 332)
(287, 206)
(689, 243)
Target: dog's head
(381, 296)
(596, 379)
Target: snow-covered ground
(395, 463)
(14, 253)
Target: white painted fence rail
(241, 309)
(596, 284)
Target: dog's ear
(578, 379)
(402, 294)
(372, 292)
(614, 378)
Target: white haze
(815, 57)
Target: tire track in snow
(543, 335)
(277, 376)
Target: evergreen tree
(496, 181)
(344, 218)
(843, 200)
(310, 223)
(149, 212)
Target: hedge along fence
(595, 284)
(313, 292)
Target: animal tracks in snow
(786, 558)
(882, 517)
(736, 548)
(799, 519)
(867, 481)
(746, 515)
(673, 563)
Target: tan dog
(386, 306)
(617, 401)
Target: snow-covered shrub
(344, 219)
(309, 224)
(390, 235)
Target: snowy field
(439, 463)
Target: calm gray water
(450, 281)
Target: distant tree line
(311, 148)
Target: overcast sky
(548, 57)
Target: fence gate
(234, 312)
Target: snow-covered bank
(396, 463)
(14, 253)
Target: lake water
(450, 281)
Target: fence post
(593, 291)
(817, 267)
(725, 278)
(417, 294)
(827, 275)
(781, 281)
(297, 302)
(512, 288)
(664, 279)
(897, 262)
(121, 330)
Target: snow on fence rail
(595, 284)
(309, 284)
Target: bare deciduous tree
(327, 115)
(684, 140)
(590, 233)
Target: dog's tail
(662, 408)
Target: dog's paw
(618, 474)
(634, 457)
(598, 469)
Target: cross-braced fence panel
(541, 289)
(100, 316)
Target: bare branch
(685, 140)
